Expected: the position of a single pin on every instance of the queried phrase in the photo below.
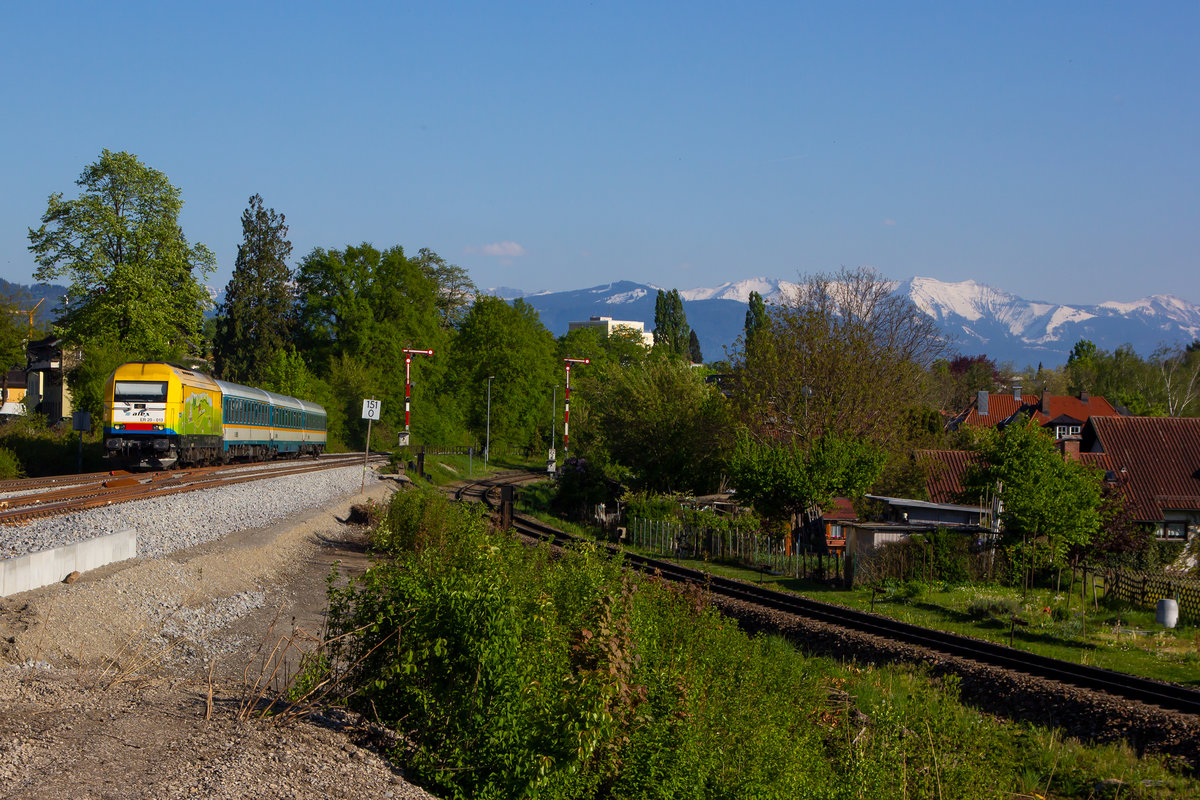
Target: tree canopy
(1043, 493)
(845, 357)
(781, 479)
(255, 318)
(133, 276)
(670, 324)
(509, 343)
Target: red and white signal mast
(408, 354)
(567, 401)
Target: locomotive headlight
(158, 427)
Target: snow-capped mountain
(977, 318)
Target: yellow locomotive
(159, 415)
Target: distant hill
(977, 318)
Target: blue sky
(1047, 149)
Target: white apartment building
(610, 326)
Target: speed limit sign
(371, 409)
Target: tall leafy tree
(845, 357)
(663, 422)
(670, 324)
(363, 302)
(792, 478)
(1053, 500)
(255, 317)
(510, 344)
(15, 329)
(134, 277)
(362, 307)
(455, 289)
(756, 317)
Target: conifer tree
(694, 348)
(256, 315)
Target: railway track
(1168, 696)
(44, 497)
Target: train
(159, 416)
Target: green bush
(10, 467)
(40, 449)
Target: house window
(1174, 530)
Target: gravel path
(107, 693)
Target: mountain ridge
(977, 317)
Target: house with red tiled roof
(1156, 462)
(943, 473)
(1062, 415)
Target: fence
(752, 549)
(1146, 589)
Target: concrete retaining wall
(51, 566)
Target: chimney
(1084, 396)
(1017, 392)
(1070, 448)
(981, 403)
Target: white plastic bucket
(1168, 612)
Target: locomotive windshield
(140, 392)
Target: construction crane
(30, 313)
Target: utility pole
(487, 445)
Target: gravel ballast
(183, 520)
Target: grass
(1116, 636)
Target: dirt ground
(129, 682)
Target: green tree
(366, 303)
(694, 353)
(785, 479)
(661, 421)
(455, 289)
(670, 324)
(254, 321)
(15, 330)
(134, 277)
(757, 318)
(1081, 367)
(509, 343)
(844, 357)
(1054, 500)
(365, 306)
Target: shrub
(10, 467)
(1001, 607)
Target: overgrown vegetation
(512, 673)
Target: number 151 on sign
(371, 409)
